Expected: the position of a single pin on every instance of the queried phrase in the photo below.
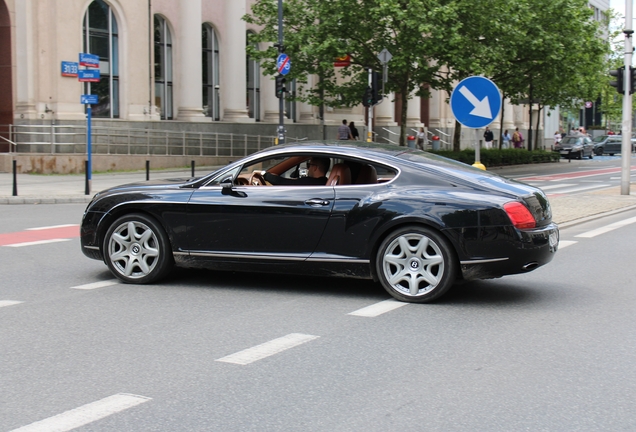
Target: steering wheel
(257, 179)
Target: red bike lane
(40, 235)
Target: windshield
(600, 138)
(572, 140)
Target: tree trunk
(530, 122)
(536, 140)
(405, 105)
(457, 136)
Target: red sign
(343, 61)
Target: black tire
(599, 151)
(137, 250)
(591, 155)
(580, 155)
(416, 264)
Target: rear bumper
(519, 251)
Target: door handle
(315, 202)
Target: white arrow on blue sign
(283, 64)
(475, 102)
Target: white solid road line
(39, 242)
(607, 228)
(378, 308)
(267, 349)
(51, 227)
(96, 285)
(85, 414)
(4, 303)
(566, 243)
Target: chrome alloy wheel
(413, 264)
(133, 249)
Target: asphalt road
(550, 350)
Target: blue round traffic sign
(283, 64)
(475, 102)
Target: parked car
(409, 219)
(610, 144)
(575, 147)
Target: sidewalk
(53, 189)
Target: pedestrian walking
(517, 139)
(488, 137)
(506, 139)
(421, 136)
(344, 133)
(354, 132)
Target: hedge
(503, 157)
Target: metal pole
(626, 147)
(15, 178)
(192, 164)
(281, 101)
(87, 188)
(370, 111)
(147, 170)
(89, 150)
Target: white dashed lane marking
(4, 303)
(377, 309)
(85, 414)
(96, 285)
(607, 228)
(267, 349)
(566, 243)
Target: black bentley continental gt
(411, 220)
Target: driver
(317, 168)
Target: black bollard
(192, 164)
(15, 178)
(147, 170)
(87, 186)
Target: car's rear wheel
(599, 151)
(416, 264)
(137, 249)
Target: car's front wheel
(416, 264)
(137, 249)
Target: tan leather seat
(367, 175)
(340, 175)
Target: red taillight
(519, 215)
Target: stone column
(269, 101)
(385, 112)
(306, 111)
(508, 120)
(190, 68)
(234, 86)
(413, 114)
(24, 53)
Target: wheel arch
(122, 210)
(402, 223)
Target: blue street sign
(88, 75)
(475, 102)
(89, 99)
(69, 69)
(283, 64)
(89, 60)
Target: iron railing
(71, 139)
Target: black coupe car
(411, 220)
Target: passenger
(316, 174)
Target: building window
(163, 68)
(101, 38)
(210, 62)
(253, 87)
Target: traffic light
(618, 84)
(373, 95)
(280, 85)
(632, 80)
(376, 87)
(367, 98)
